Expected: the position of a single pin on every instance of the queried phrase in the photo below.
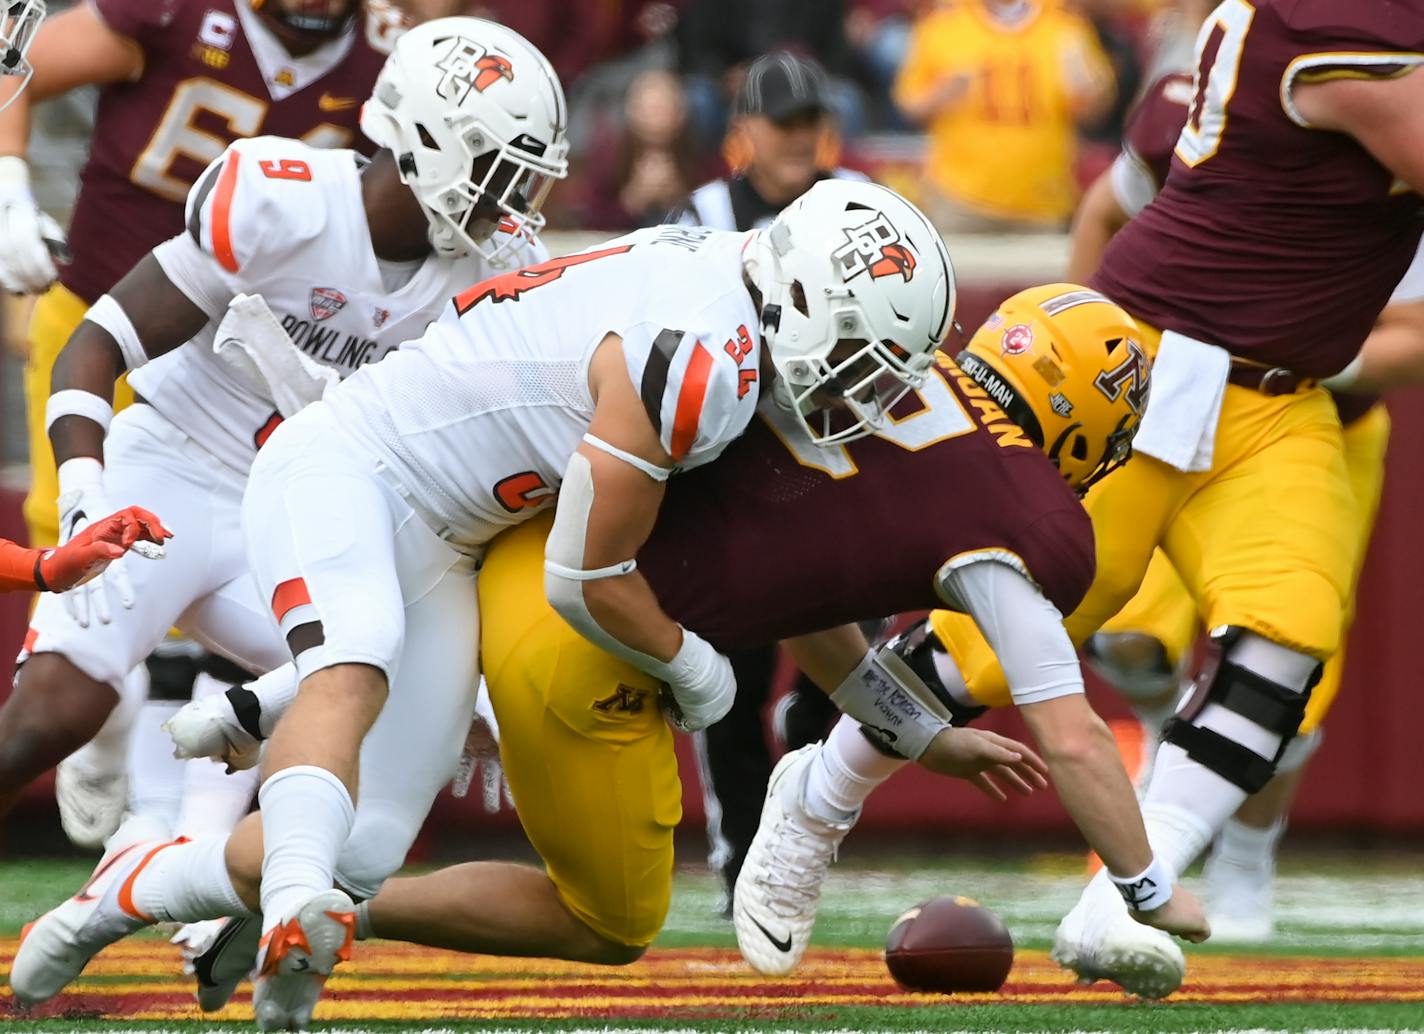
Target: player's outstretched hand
(1182, 916)
(91, 550)
(987, 760)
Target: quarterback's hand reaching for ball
(987, 760)
(1181, 916)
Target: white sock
(155, 775)
(845, 771)
(108, 750)
(1184, 786)
(307, 815)
(1177, 835)
(1248, 847)
(188, 882)
(212, 799)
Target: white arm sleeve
(1132, 184)
(1024, 629)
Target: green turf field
(1345, 961)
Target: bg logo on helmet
(468, 66)
(874, 247)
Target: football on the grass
(949, 944)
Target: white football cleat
(55, 948)
(1240, 899)
(779, 888)
(91, 801)
(1099, 940)
(226, 961)
(295, 958)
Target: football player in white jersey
(593, 377)
(351, 261)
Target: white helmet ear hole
(425, 137)
(798, 298)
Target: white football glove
(481, 756)
(81, 502)
(30, 241)
(208, 728)
(701, 686)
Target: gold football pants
(1266, 540)
(57, 312)
(1164, 610)
(584, 745)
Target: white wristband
(1149, 889)
(110, 315)
(15, 180)
(75, 402)
(878, 699)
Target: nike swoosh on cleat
(781, 945)
(204, 963)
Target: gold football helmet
(1066, 365)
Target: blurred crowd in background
(991, 114)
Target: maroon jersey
(201, 88)
(1155, 123)
(1279, 242)
(779, 538)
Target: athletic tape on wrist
(1149, 889)
(76, 402)
(110, 315)
(874, 697)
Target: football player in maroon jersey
(178, 81)
(1290, 214)
(1140, 649)
(754, 548)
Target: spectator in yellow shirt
(1001, 85)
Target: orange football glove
(87, 554)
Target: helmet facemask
(480, 163)
(504, 189)
(18, 25)
(838, 379)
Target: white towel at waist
(1188, 382)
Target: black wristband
(43, 555)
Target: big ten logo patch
(467, 66)
(739, 348)
(874, 247)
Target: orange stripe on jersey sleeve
(222, 212)
(288, 596)
(689, 401)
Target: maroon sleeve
(142, 21)
(1156, 122)
(1059, 553)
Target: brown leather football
(949, 944)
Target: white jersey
(275, 217)
(479, 418)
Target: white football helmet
(857, 292)
(19, 21)
(453, 91)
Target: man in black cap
(782, 118)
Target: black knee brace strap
(1268, 704)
